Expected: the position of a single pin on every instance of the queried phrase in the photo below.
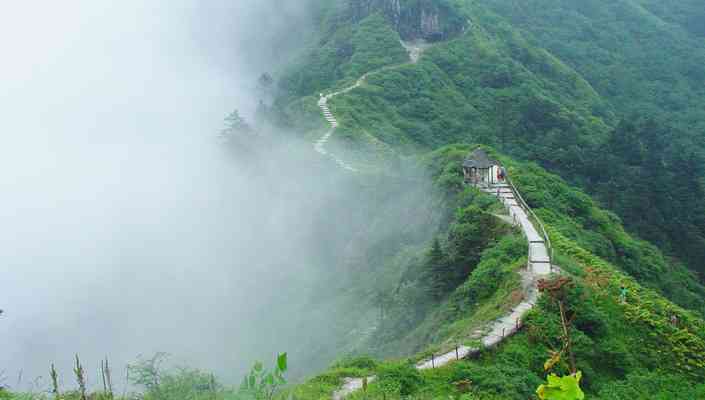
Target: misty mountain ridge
(582, 89)
(345, 231)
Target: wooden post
(433, 361)
(457, 356)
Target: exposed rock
(431, 20)
(430, 24)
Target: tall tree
(441, 277)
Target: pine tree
(439, 271)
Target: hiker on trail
(501, 174)
(623, 294)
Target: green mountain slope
(639, 57)
(598, 105)
(607, 94)
(614, 344)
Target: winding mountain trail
(415, 50)
(538, 266)
(319, 146)
(519, 213)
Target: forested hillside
(596, 108)
(607, 94)
(622, 348)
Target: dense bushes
(569, 86)
(576, 216)
(348, 52)
(613, 343)
(402, 377)
(650, 74)
(648, 385)
(512, 382)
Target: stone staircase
(415, 50)
(538, 266)
(320, 144)
(519, 214)
(539, 258)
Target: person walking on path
(623, 295)
(500, 174)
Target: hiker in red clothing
(501, 174)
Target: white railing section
(542, 230)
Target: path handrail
(542, 230)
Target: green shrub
(647, 385)
(361, 362)
(403, 375)
(509, 381)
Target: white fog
(125, 229)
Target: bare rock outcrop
(431, 20)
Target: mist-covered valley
(411, 199)
(127, 227)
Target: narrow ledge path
(538, 266)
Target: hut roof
(479, 159)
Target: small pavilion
(480, 169)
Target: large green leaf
(561, 388)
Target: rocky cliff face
(414, 19)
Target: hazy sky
(124, 229)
